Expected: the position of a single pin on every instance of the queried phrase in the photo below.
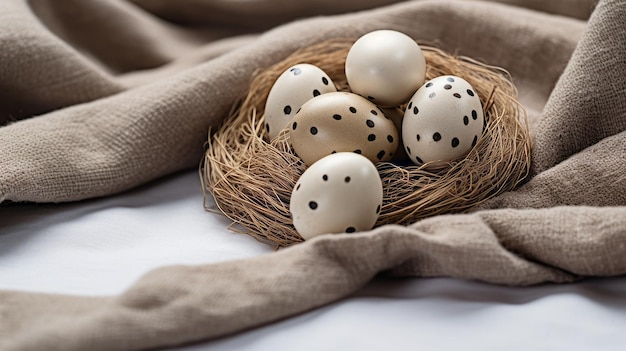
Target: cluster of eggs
(340, 135)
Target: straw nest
(251, 179)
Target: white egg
(443, 121)
(386, 67)
(297, 85)
(340, 193)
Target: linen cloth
(99, 97)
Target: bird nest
(251, 178)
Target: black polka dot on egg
(390, 138)
(410, 105)
(350, 230)
(325, 177)
(474, 115)
(370, 97)
(346, 179)
(374, 112)
(408, 150)
(357, 151)
(337, 117)
(287, 109)
(325, 80)
(475, 140)
(370, 123)
(436, 136)
(418, 159)
(295, 71)
(316, 93)
(299, 110)
(334, 152)
(455, 142)
(470, 92)
(313, 130)
(298, 187)
(267, 127)
(447, 86)
(312, 205)
(465, 120)
(352, 109)
(450, 79)
(429, 84)
(418, 137)
(457, 95)
(378, 209)
(380, 154)
(294, 125)
(371, 137)
(432, 95)
(416, 110)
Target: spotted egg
(386, 67)
(297, 85)
(442, 122)
(340, 121)
(340, 193)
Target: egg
(340, 193)
(442, 122)
(341, 121)
(294, 87)
(386, 67)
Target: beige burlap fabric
(123, 95)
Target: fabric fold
(589, 102)
(39, 72)
(180, 304)
(113, 144)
